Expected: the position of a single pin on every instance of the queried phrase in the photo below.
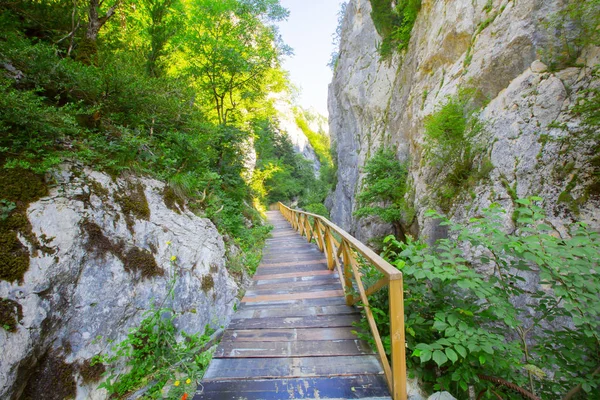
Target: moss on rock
(207, 283)
(97, 243)
(11, 314)
(52, 379)
(20, 187)
(134, 204)
(142, 261)
(91, 372)
(172, 200)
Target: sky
(309, 31)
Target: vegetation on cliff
(394, 22)
(175, 89)
(384, 187)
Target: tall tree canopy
(230, 49)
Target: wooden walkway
(292, 336)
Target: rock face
(112, 244)
(493, 47)
(288, 124)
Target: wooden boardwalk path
(292, 338)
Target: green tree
(230, 50)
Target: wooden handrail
(342, 255)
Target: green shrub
(154, 356)
(384, 187)
(394, 24)
(528, 314)
(318, 208)
(454, 148)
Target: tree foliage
(230, 50)
(383, 188)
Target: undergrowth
(465, 318)
(156, 354)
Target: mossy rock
(20, 187)
(11, 314)
(51, 379)
(134, 204)
(97, 243)
(141, 261)
(172, 200)
(91, 372)
(208, 283)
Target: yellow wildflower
(188, 381)
(177, 383)
(173, 258)
(168, 242)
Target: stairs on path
(292, 337)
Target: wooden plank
(320, 321)
(294, 311)
(293, 289)
(273, 349)
(326, 301)
(294, 280)
(293, 367)
(285, 270)
(292, 262)
(339, 387)
(292, 274)
(299, 334)
(294, 296)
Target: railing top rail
(383, 266)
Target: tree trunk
(87, 47)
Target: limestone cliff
(493, 47)
(109, 247)
(288, 124)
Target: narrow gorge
(143, 143)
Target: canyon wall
(495, 48)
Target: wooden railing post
(307, 229)
(347, 272)
(329, 249)
(317, 229)
(397, 334)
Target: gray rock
(78, 299)
(441, 396)
(538, 67)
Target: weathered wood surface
(293, 335)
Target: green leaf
(451, 354)
(439, 357)
(586, 386)
(453, 319)
(425, 356)
(461, 350)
